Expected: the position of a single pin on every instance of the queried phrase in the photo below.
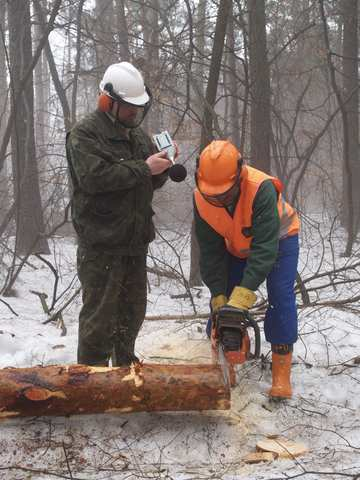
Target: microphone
(163, 142)
(177, 172)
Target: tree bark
(74, 93)
(350, 64)
(106, 49)
(151, 68)
(4, 97)
(29, 220)
(214, 72)
(122, 31)
(53, 69)
(208, 116)
(344, 113)
(234, 114)
(25, 79)
(80, 389)
(260, 87)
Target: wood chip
(282, 447)
(258, 457)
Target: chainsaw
(230, 340)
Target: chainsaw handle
(254, 325)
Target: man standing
(114, 170)
(247, 233)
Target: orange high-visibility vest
(236, 229)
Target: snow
(323, 414)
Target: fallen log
(81, 389)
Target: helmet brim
(208, 189)
(139, 101)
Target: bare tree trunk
(105, 41)
(40, 121)
(4, 187)
(214, 72)
(80, 389)
(151, 68)
(53, 70)
(350, 91)
(234, 87)
(26, 78)
(41, 117)
(344, 116)
(29, 217)
(260, 87)
(199, 59)
(208, 116)
(122, 31)
(77, 62)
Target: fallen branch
(191, 316)
(55, 316)
(40, 471)
(9, 307)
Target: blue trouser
(280, 324)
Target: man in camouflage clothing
(114, 170)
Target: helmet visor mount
(128, 114)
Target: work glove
(242, 298)
(217, 302)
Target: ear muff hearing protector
(105, 100)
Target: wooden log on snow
(81, 389)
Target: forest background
(278, 78)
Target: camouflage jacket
(112, 186)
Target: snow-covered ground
(324, 412)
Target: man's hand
(242, 298)
(158, 163)
(217, 302)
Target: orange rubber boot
(281, 368)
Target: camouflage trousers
(114, 305)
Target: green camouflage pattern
(112, 190)
(114, 304)
(112, 186)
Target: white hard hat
(124, 81)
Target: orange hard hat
(218, 167)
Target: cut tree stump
(81, 389)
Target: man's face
(128, 115)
